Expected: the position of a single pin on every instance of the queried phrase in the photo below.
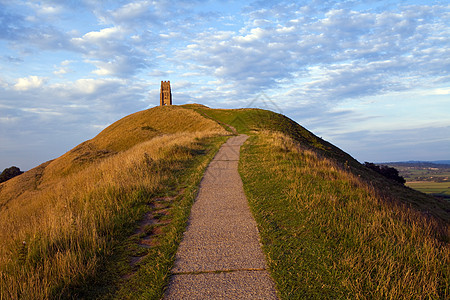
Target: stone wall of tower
(165, 97)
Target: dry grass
(328, 234)
(127, 132)
(58, 220)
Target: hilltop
(253, 121)
(105, 219)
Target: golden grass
(127, 132)
(328, 233)
(58, 220)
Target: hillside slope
(331, 228)
(254, 121)
(118, 137)
(60, 220)
(74, 227)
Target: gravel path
(220, 256)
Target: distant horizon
(265, 107)
(442, 162)
(371, 77)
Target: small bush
(9, 173)
(386, 171)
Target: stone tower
(165, 96)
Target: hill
(332, 228)
(60, 220)
(104, 220)
(254, 121)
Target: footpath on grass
(220, 256)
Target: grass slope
(104, 220)
(329, 235)
(332, 228)
(255, 121)
(62, 222)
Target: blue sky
(372, 77)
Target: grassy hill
(60, 221)
(104, 220)
(330, 227)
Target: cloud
(105, 59)
(133, 11)
(120, 66)
(12, 59)
(55, 117)
(64, 68)
(30, 82)
(9, 22)
(113, 51)
(439, 91)
(110, 33)
(46, 9)
(358, 53)
(161, 13)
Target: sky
(371, 77)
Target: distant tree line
(386, 171)
(9, 173)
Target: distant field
(426, 178)
(430, 187)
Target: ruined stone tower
(165, 96)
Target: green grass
(251, 121)
(331, 228)
(328, 235)
(430, 187)
(429, 180)
(256, 121)
(423, 174)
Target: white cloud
(103, 34)
(119, 66)
(46, 9)
(64, 68)
(30, 82)
(9, 120)
(93, 42)
(313, 55)
(114, 51)
(439, 91)
(42, 111)
(61, 71)
(131, 11)
(90, 86)
(255, 34)
(87, 86)
(359, 53)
